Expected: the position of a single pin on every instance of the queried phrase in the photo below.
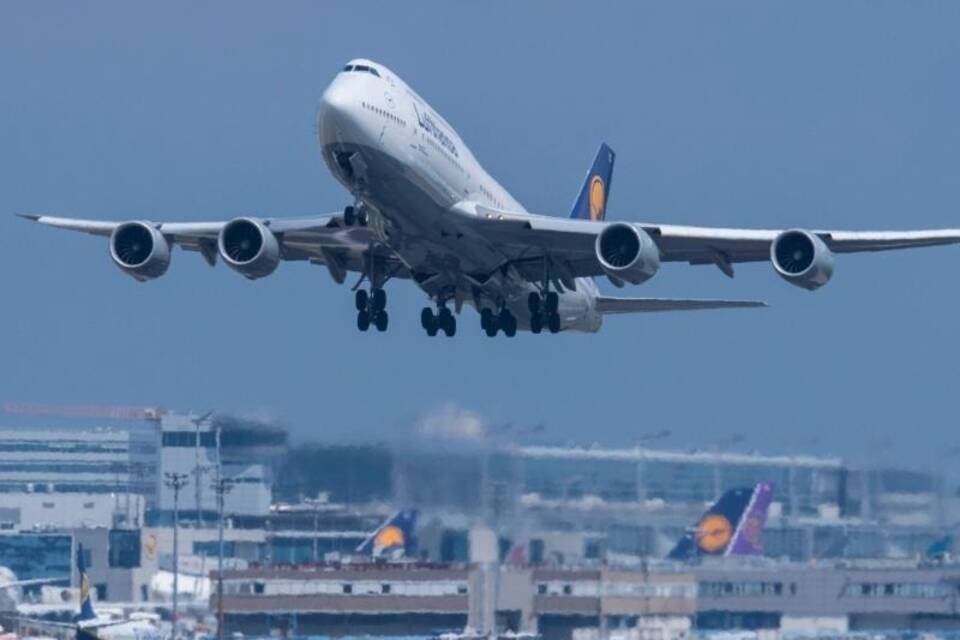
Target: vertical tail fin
(86, 605)
(731, 527)
(393, 537)
(591, 203)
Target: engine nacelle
(140, 250)
(249, 247)
(627, 253)
(802, 259)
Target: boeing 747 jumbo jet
(425, 210)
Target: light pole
(175, 481)
(222, 487)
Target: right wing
(321, 239)
(608, 305)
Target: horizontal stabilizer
(646, 305)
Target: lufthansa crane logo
(714, 533)
(389, 537)
(598, 198)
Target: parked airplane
(394, 538)
(425, 210)
(89, 626)
(731, 527)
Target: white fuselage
(409, 167)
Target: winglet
(28, 216)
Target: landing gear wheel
(552, 302)
(378, 299)
(487, 319)
(381, 321)
(362, 217)
(536, 323)
(363, 320)
(447, 322)
(492, 328)
(426, 318)
(361, 299)
(508, 323)
(533, 303)
(349, 216)
(553, 322)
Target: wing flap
(609, 305)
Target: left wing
(528, 240)
(608, 305)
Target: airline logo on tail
(731, 527)
(394, 537)
(591, 203)
(86, 605)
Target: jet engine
(802, 259)
(627, 253)
(140, 250)
(249, 247)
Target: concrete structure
(45, 511)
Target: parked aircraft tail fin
(394, 537)
(731, 527)
(591, 203)
(86, 604)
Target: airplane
(731, 527)
(425, 210)
(394, 538)
(89, 626)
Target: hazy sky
(827, 114)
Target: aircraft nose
(340, 117)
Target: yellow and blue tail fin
(591, 203)
(86, 605)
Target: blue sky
(817, 114)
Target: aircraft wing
(527, 240)
(323, 239)
(608, 305)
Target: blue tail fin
(732, 526)
(591, 203)
(86, 606)
(393, 537)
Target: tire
(491, 329)
(510, 329)
(433, 328)
(536, 323)
(363, 320)
(553, 322)
(426, 317)
(486, 317)
(381, 321)
(533, 303)
(378, 299)
(552, 303)
(349, 216)
(361, 299)
(449, 325)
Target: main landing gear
(492, 322)
(544, 311)
(355, 215)
(372, 309)
(442, 320)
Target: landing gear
(491, 322)
(443, 320)
(355, 215)
(371, 309)
(544, 311)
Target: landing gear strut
(372, 309)
(355, 215)
(544, 311)
(442, 320)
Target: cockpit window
(361, 68)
